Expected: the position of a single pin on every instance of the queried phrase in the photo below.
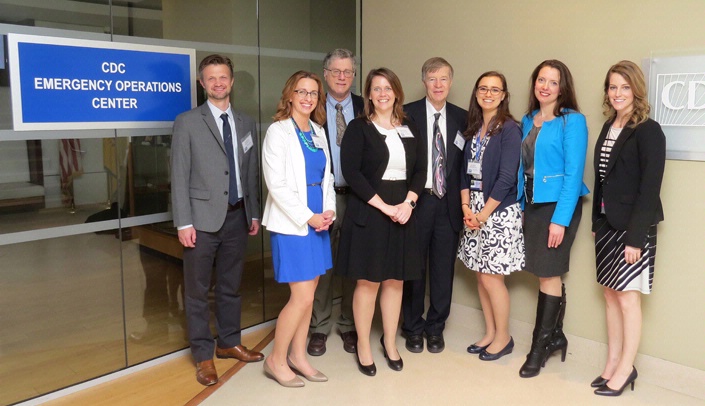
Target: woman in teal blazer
(554, 144)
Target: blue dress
(302, 258)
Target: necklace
(308, 143)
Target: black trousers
(438, 242)
(225, 248)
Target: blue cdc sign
(60, 83)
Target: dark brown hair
(475, 118)
(566, 98)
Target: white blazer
(284, 168)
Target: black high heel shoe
(605, 390)
(396, 365)
(599, 381)
(369, 370)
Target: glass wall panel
(92, 278)
(61, 311)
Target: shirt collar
(332, 102)
(430, 110)
(218, 112)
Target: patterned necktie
(340, 125)
(439, 160)
(228, 141)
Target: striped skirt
(612, 270)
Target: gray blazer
(199, 169)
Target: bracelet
(465, 204)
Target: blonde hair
(635, 78)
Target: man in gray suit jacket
(215, 201)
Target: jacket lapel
(210, 122)
(451, 131)
(627, 132)
(240, 134)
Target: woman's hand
(390, 211)
(555, 235)
(631, 254)
(403, 213)
(468, 216)
(328, 215)
(319, 223)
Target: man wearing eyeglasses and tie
(438, 212)
(215, 201)
(339, 70)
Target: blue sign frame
(62, 83)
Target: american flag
(71, 167)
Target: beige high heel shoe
(317, 377)
(295, 382)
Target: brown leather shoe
(317, 344)
(349, 341)
(205, 373)
(239, 352)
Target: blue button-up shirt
(349, 114)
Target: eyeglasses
(495, 91)
(303, 93)
(336, 72)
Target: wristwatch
(411, 203)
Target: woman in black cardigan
(492, 244)
(630, 156)
(385, 166)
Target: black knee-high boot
(559, 340)
(547, 311)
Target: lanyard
(481, 141)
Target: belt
(429, 191)
(342, 190)
(237, 206)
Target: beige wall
(514, 36)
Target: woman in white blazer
(299, 209)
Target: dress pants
(323, 298)
(438, 242)
(227, 248)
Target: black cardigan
(364, 157)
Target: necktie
(439, 160)
(228, 141)
(340, 125)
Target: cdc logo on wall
(61, 83)
(677, 97)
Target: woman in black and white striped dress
(630, 157)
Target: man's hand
(187, 237)
(254, 228)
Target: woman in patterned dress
(299, 209)
(630, 156)
(492, 243)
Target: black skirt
(542, 261)
(380, 249)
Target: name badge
(247, 143)
(474, 169)
(459, 141)
(476, 185)
(317, 142)
(404, 132)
